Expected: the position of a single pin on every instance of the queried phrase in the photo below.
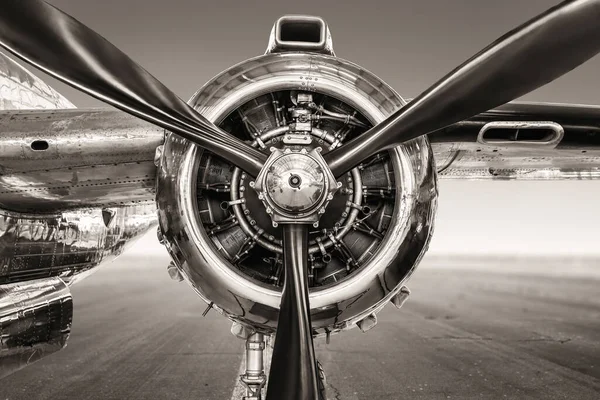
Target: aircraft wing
(76, 187)
(522, 141)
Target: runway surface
(464, 334)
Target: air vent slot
(39, 145)
(521, 133)
(516, 135)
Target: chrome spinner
(295, 186)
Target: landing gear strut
(254, 378)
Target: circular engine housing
(218, 231)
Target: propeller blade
(293, 374)
(61, 46)
(524, 59)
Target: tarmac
(472, 333)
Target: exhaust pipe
(35, 321)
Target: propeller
(293, 374)
(534, 54)
(61, 46)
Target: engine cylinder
(374, 233)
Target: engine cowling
(375, 229)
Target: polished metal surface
(460, 155)
(35, 321)
(210, 271)
(517, 63)
(76, 186)
(68, 50)
(296, 183)
(68, 244)
(21, 90)
(293, 374)
(90, 158)
(295, 186)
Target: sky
(409, 44)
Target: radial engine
(375, 222)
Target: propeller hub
(295, 183)
(295, 186)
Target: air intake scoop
(300, 33)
